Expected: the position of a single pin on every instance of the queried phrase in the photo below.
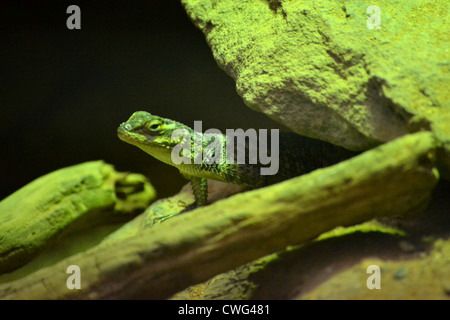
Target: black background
(64, 92)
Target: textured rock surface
(68, 199)
(413, 256)
(425, 276)
(316, 67)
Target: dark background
(64, 92)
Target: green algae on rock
(317, 68)
(82, 195)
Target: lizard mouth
(126, 133)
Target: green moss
(76, 197)
(307, 64)
(370, 226)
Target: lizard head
(150, 133)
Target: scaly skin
(297, 155)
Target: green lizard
(297, 155)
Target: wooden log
(393, 179)
(85, 194)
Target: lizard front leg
(200, 190)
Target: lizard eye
(154, 126)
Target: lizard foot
(190, 207)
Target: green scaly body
(297, 155)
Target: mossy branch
(393, 179)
